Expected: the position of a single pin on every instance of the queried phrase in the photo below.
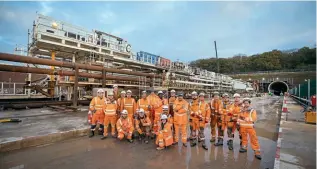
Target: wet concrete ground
(298, 144)
(41, 121)
(111, 153)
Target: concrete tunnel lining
(277, 87)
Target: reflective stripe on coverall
(129, 105)
(119, 106)
(152, 98)
(221, 120)
(97, 105)
(124, 128)
(171, 101)
(215, 110)
(247, 128)
(158, 109)
(180, 109)
(205, 113)
(110, 111)
(231, 119)
(164, 135)
(195, 115)
(144, 104)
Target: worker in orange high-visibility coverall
(120, 102)
(158, 104)
(171, 102)
(205, 118)
(144, 103)
(166, 112)
(216, 110)
(129, 105)
(95, 108)
(143, 125)
(231, 119)
(152, 98)
(221, 121)
(125, 126)
(110, 110)
(246, 119)
(180, 108)
(164, 134)
(195, 117)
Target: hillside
(304, 58)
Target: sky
(175, 30)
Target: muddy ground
(110, 153)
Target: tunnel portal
(277, 87)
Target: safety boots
(130, 140)
(160, 148)
(147, 138)
(258, 156)
(91, 134)
(243, 149)
(100, 132)
(230, 144)
(205, 146)
(212, 139)
(103, 137)
(220, 142)
(194, 143)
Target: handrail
(302, 101)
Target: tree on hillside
(304, 58)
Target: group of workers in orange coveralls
(168, 120)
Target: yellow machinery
(310, 116)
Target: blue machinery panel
(147, 57)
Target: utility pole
(217, 57)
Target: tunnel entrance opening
(278, 87)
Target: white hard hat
(123, 92)
(247, 99)
(115, 85)
(194, 93)
(141, 110)
(173, 91)
(165, 107)
(124, 112)
(160, 92)
(110, 94)
(216, 93)
(202, 94)
(225, 94)
(163, 117)
(143, 91)
(236, 95)
(129, 91)
(100, 91)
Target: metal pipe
(9, 68)
(24, 59)
(75, 98)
